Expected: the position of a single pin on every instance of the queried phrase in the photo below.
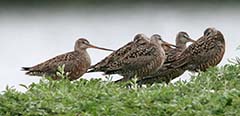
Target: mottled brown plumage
(76, 62)
(138, 58)
(206, 52)
(106, 63)
(166, 73)
(181, 41)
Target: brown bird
(206, 52)
(181, 41)
(76, 62)
(138, 58)
(106, 63)
(166, 73)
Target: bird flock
(150, 60)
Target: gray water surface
(31, 35)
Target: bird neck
(81, 51)
(160, 47)
(162, 51)
(83, 54)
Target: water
(32, 35)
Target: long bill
(168, 44)
(100, 48)
(191, 40)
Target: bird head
(156, 38)
(83, 44)
(183, 38)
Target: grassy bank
(215, 92)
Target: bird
(75, 62)
(107, 62)
(138, 58)
(181, 41)
(166, 73)
(206, 52)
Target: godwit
(138, 58)
(166, 73)
(206, 52)
(76, 62)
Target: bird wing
(135, 59)
(188, 54)
(198, 52)
(172, 55)
(51, 65)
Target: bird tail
(25, 68)
(91, 70)
(31, 71)
(28, 69)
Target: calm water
(32, 35)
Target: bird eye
(85, 42)
(185, 36)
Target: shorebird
(76, 62)
(106, 63)
(206, 52)
(181, 41)
(166, 73)
(139, 58)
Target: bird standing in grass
(206, 52)
(75, 63)
(166, 73)
(139, 58)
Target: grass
(212, 93)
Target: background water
(30, 35)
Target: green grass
(215, 92)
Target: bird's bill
(191, 40)
(169, 44)
(100, 48)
